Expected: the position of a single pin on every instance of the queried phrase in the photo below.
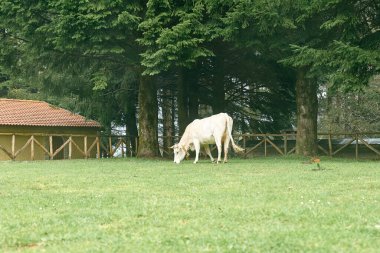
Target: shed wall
(60, 136)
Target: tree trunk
(192, 82)
(167, 117)
(218, 103)
(307, 110)
(148, 136)
(132, 131)
(130, 118)
(182, 103)
(328, 110)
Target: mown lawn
(129, 205)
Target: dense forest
(153, 66)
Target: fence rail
(21, 146)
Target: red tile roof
(14, 112)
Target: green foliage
(260, 205)
(346, 66)
(349, 55)
(72, 49)
(94, 51)
(337, 39)
(174, 34)
(339, 20)
(100, 81)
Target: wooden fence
(42, 145)
(19, 146)
(329, 144)
(39, 146)
(356, 145)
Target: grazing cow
(215, 129)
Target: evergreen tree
(258, 60)
(87, 49)
(310, 36)
(186, 38)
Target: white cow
(215, 129)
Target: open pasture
(129, 205)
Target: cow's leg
(208, 152)
(197, 147)
(218, 142)
(226, 146)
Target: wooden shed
(32, 129)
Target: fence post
(286, 144)
(85, 146)
(330, 146)
(110, 144)
(265, 145)
(356, 147)
(244, 145)
(122, 147)
(137, 145)
(98, 146)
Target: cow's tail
(229, 130)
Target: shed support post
(51, 147)
(70, 147)
(32, 148)
(85, 146)
(13, 146)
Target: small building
(36, 130)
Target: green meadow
(131, 205)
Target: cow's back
(208, 127)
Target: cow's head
(180, 152)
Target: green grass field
(130, 205)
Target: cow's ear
(172, 147)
